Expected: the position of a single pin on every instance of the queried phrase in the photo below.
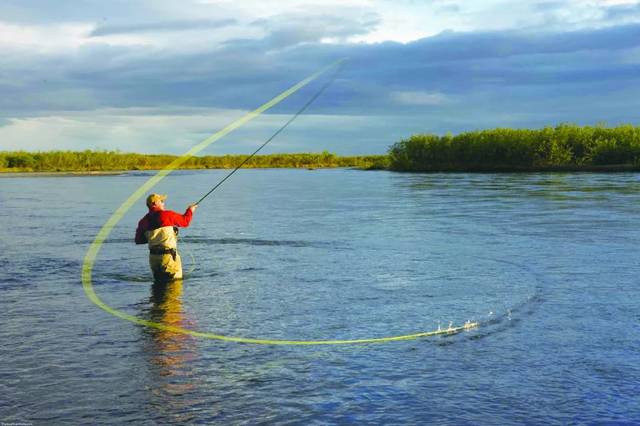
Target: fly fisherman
(158, 229)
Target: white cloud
(43, 37)
(131, 129)
(420, 98)
(614, 2)
(58, 38)
(174, 132)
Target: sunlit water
(546, 263)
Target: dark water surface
(547, 263)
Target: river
(545, 263)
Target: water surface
(547, 263)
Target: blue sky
(159, 76)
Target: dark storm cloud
(104, 30)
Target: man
(158, 229)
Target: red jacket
(157, 218)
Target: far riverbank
(109, 162)
(563, 148)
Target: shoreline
(8, 174)
(4, 174)
(613, 168)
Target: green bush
(565, 145)
(20, 160)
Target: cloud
(153, 131)
(241, 74)
(627, 11)
(469, 46)
(548, 5)
(419, 98)
(139, 130)
(29, 39)
(164, 26)
(291, 29)
(65, 86)
(44, 12)
(447, 9)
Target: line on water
(94, 248)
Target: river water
(546, 263)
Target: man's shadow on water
(173, 381)
(167, 309)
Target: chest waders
(164, 259)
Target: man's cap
(154, 198)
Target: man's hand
(192, 207)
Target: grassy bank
(564, 147)
(105, 161)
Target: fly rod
(300, 111)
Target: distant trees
(85, 161)
(564, 146)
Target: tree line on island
(563, 147)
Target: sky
(159, 76)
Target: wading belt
(171, 251)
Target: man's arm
(178, 219)
(141, 237)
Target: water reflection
(173, 380)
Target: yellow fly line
(96, 245)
